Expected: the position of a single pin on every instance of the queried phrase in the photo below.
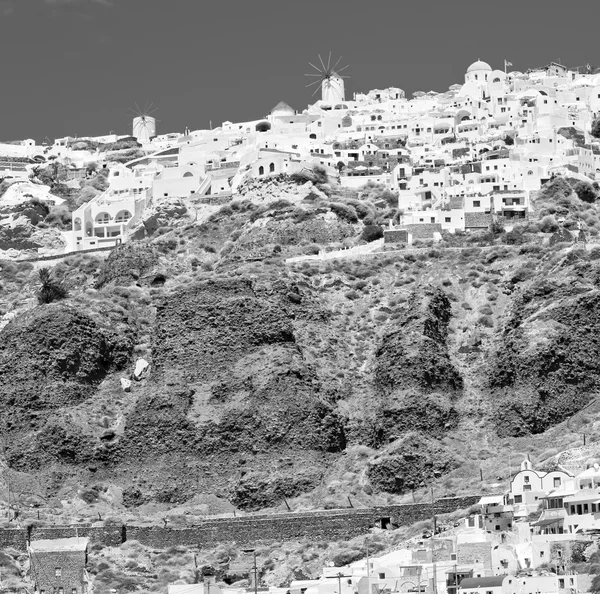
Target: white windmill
(144, 125)
(330, 79)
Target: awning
(491, 500)
(547, 521)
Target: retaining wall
(326, 525)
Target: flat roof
(59, 544)
(482, 582)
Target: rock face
(409, 464)
(53, 356)
(545, 362)
(167, 212)
(415, 381)
(127, 264)
(229, 382)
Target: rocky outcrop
(166, 213)
(544, 365)
(415, 355)
(409, 463)
(415, 381)
(265, 489)
(54, 356)
(229, 383)
(128, 264)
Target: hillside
(275, 385)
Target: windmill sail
(329, 79)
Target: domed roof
(479, 65)
(282, 106)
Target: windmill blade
(322, 64)
(316, 91)
(342, 69)
(339, 60)
(317, 69)
(329, 61)
(319, 75)
(315, 82)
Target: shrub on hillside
(317, 175)
(585, 192)
(555, 189)
(371, 233)
(59, 216)
(548, 224)
(98, 182)
(344, 211)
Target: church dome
(282, 108)
(478, 66)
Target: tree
(585, 191)
(50, 289)
(596, 128)
(509, 140)
(496, 228)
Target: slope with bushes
(377, 378)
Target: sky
(76, 67)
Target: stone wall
(326, 526)
(112, 535)
(423, 230)
(474, 552)
(395, 236)
(13, 539)
(54, 571)
(477, 220)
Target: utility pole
(253, 551)
(368, 568)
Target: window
(561, 582)
(526, 479)
(261, 170)
(557, 481)
(382, 576)
(476, 203)
(122, 216)
(447, 220)
(518, 498)
(526, 487)
(271, 167)
(58, 572)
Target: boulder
(126, 384)
(141, 369)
